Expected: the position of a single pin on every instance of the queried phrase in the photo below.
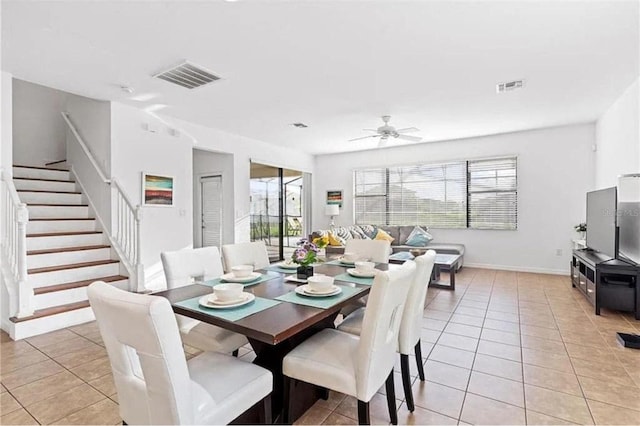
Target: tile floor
(504, 348)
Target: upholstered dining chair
(180, 267)
(372, 250)
(253, 253)
(356, 365)
(411, 325)
(154, 381)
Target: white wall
(243, 150)
(92, 118)
(555, 170)
(6, 119)
(207, 163)
(38, 130)
(618, 139)
(135, 150)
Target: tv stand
(606, 282)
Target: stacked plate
(285, 264)
(211, 301)
(305, 290)
(232, 278)
(360, 274)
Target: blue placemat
(231, 314)
(319, 302)
(351, 279)
(263, 278)
(276, 268)
(337, 262)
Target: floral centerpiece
(307, 254)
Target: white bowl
(350, 257)
(242, 271)
(227, 292)
(365, 267)
(320, 282)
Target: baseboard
(519, 269)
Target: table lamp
(332, 210)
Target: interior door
(211, 191)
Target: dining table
(277, 321)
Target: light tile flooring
(504, 348)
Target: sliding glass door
(276, 208)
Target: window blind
(493, 193)
(434, 195)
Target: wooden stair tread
(61, 234)
(53, 310)
(45, 180)
(43, 191)
(77, 284)
(56, 205)
(67, 249)
(71, 266)
(40, 168)
(61, 218)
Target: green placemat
(351, 279)
(319, 302)
(231, 314)
(263, 278)
(276, 268)
(337, 262)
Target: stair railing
(124, 232)
(14, 248)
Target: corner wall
(555, 170)
(618, 139)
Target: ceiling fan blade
(408, 130)
(410, 138)
(364, 137)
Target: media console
(605, 282)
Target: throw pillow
(381, 235)
(358, 233)
(419, 238)
(369, 230)
(334, 240)
(343, 233)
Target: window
(478, 194)
(493, 194)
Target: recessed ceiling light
(299, 125)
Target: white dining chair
(253, 253)
(356, 365)
(372, 250)
(411, 325)
(180, 268)
(154, 381)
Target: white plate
(346, 262)
(304, 291)
(286, 265)
(354, 272)
(233, 279)
(206, 302)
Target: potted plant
(307, 254)
(581, 229)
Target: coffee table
(445, 263)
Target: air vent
(188, 75)
(508, 86)
(299, 125)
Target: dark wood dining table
(275, 331)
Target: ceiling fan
(387, 131)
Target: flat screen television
(628, 216)
(601, 221)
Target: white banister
(85, 148)
(14, 249)
(124, 230)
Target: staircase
(66, 251)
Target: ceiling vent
(188, 75)
(508, 86)
(299, 125)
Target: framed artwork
(157, 190)
(334, 197)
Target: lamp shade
(331, 210)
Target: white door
(211, 191)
